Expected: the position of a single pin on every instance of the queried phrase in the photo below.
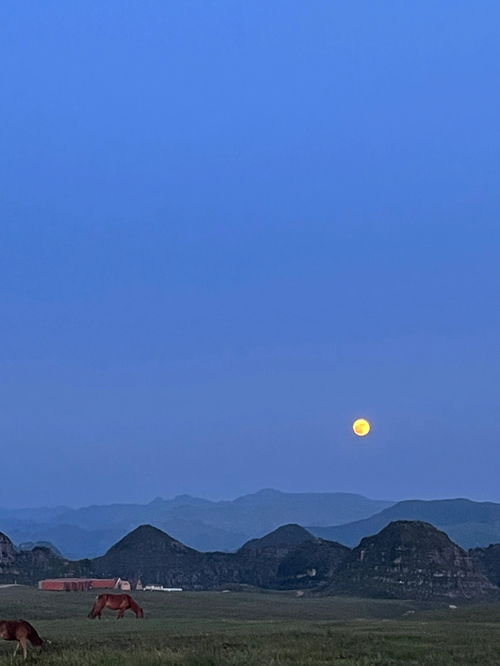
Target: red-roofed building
(76, 584)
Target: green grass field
(254, 629)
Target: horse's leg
(21, 642)
(121, 612)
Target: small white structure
(160, 588)
(123, 585)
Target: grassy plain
(253, 629)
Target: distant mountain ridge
(200, 523)
(470, 524)
(225, 526)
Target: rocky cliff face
(488, 561)
(28, 566)
(413, 560)
(7, 553)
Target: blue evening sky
(228, 228)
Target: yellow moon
(361, 427)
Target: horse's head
(100, 602)
(94, 610)
(45, 643)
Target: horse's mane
(33, 636)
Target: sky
(229, 228)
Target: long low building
(76, 584)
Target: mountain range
(406, 559)
(199, 523)
(206, 525)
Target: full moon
(361, 427)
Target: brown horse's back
(119, 602)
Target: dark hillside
(285, 537)
(310, 563)
(288, 557)
(29, 566)
(155, 557)
(488, 560)
(410, 560)
(7, 551)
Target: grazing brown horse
(119, 602)
(20, 631)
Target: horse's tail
(136, 608)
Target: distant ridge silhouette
(202, 524)
(468, 523)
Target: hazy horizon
(229, 499)
(228, 229)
